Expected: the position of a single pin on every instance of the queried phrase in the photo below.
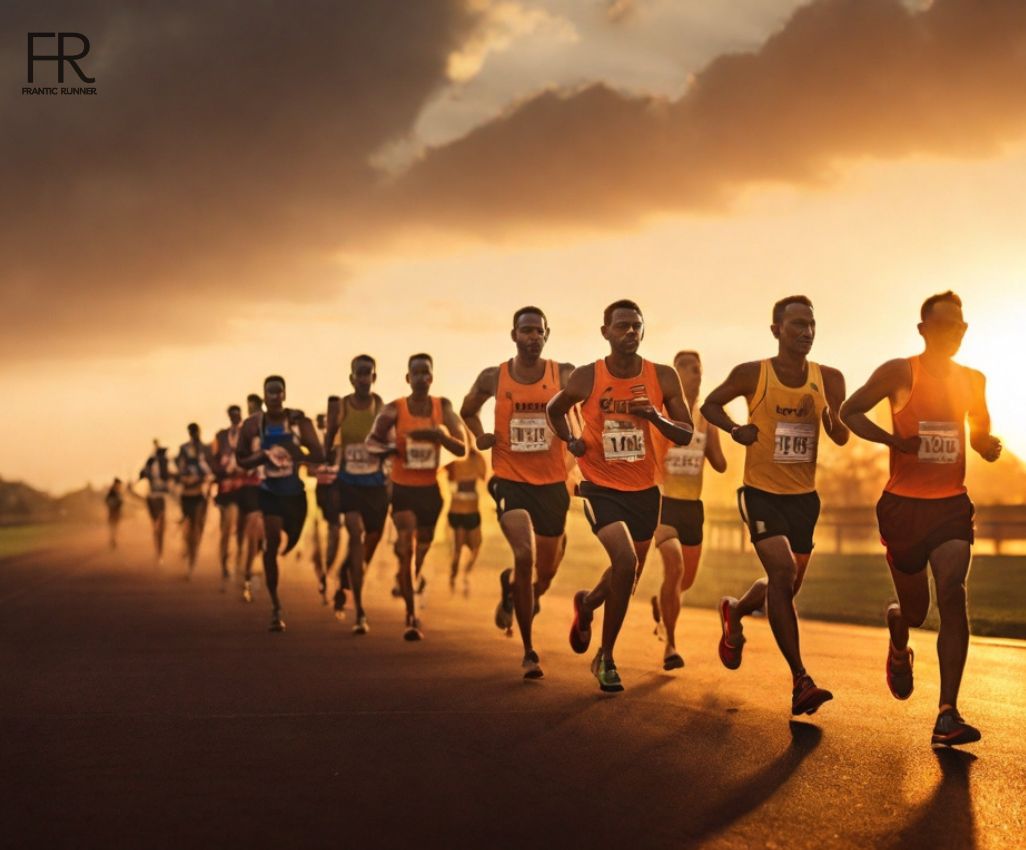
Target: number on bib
(795, 442)
(939, 442)
(529, 434)
(421, 455)
(686, 460)
(622, 440)
(359, 461)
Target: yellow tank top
(683, 465)
(783, 459)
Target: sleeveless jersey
(416, 461)
(936, 410)
(683, 465)
(621, 451)
(783, 459)
(192, 464)
(156, 474)
(525, 448)
(358, 466)
(464, 470)
(233, 477)
(278, 479)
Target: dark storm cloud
(221, 158)
(843, 80)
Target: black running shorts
(911, 529)
(466, 521)
(291, 507)
(638, 508)
(223, 500)
(192, 505)
(425, 502)
(155, 505)
(248, 499)
(546, 504)
(686, 517)
(370, 502)
(327, 501)
(788, 515)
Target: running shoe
(673, 661)
(899, 671)
(247, 592)
(504, 610)
(580, 628)
(531, 665)
(413, 631)
(322, 589)
(361, 627)
(951, 730)
(730, 654)
(806, 698)
(277, 623)
(340, 604)
(604, 670)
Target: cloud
(842, 80)
(219, 165)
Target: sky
(335, 178)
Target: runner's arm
(985, 444)
(246, 457)
(679, 428)
(578, 388)
(741, 382)
(884, 383)
(377, 439)
(484, 388)
(310, 441)
(833, 388)
(454, 426)
(714, 450)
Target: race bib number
(280, 463)
(326, 474)
(795, 442)
(622, 440)
(686, 460)
(529, 434)
(939, 442)
(421, 455)
(359, 461)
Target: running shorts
(425, 502)
(370, 502)
(911, 529)
(686, 517)
(546, 504)
(638, 508)
(788, 515)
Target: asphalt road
(141, 710)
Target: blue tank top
(283, 480)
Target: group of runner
(640, 440)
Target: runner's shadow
(756, 789)
(946, 819)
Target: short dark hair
(529, 309)
(253, 397)
(687, 352)
(927, 308)
(232, 407)
(622, 304)
(192, 426)
(332, 398)
(277, 378)
(366, 358)
(421, 356)
(784, 303)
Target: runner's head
(363, 374)
(322, 421)
(274, 393)
(942, 324)
(530, 332)
(254, 403)
(420, 372)
(624, 326)
(234, 414)
(794, 326)
(689, 367)
(194, 431)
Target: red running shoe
(806, 698)
(951, 730)
(899, 671)
(730, 654)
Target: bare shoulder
(487, 382)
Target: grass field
(17, 539)
(841, 588)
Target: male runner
(275, 439)
(623, 398)
(529, 466)
(423, 424)
(788, 397)
(114, 501)
(229, 482)
(193, 466)
(158, 476)
(249, 508)
(362, 483)
(326, 493)
(465, 512)
(679, 535)
(925, 513)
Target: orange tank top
(525, 448)
(621, 451)
(935, 410)
(416, 461)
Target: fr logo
(61, 56)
